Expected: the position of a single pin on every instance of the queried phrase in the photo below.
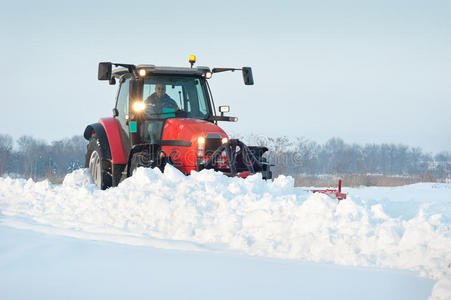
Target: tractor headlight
(200, 146)
(142, 72)
(201, 140)
(139, 106)
(225, 140)
(208, 75)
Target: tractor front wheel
(96, 163)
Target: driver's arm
(173, 104)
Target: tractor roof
(162, 70)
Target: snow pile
(271, 219)
(442, 289)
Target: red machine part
(180, 130)
(337, 194)
(111, 126)
(186, 130)
(245, 174)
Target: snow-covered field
(265, 238)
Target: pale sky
(365, 71)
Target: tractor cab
(166, 115)
(160, 93)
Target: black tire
(97, 164)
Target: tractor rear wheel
(96, 163)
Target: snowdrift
(442, 289)
(406, 227)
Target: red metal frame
(111, 126)
(245, 174)
(337, 194)
(185, 129)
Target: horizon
(292, 139)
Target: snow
(442, 289)
(40, 266)
(207, 213)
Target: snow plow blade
(336, 194)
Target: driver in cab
(159, 100)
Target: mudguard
(112, 127)
(98, 129)
(107, 131)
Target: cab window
(122, 102)
(187, 92)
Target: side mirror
(104, 71)
(223, 109)
(247, 76)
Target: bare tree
(34, 156)
(6, 146)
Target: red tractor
(166, 115)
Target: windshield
(184, 95)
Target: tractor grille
(211, 144)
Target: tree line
(300, 156)
(33, 158)
(29, 157)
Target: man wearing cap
(159, 100)
(155, 104)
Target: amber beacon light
(192, 60)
